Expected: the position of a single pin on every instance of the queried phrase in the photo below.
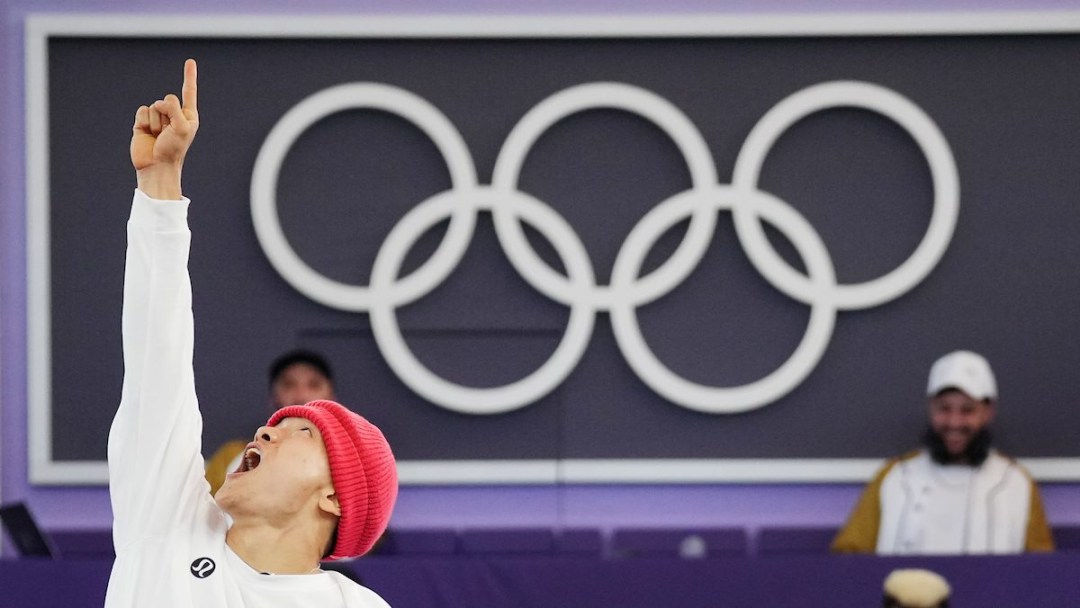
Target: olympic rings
(578, 289)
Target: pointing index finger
(190, 91)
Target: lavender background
(751, 506)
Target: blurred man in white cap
(957, 494)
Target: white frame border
(39, 28)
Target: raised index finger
(190, 91)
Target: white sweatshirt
(168, 531)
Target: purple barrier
(1024, 581)
(442, 541)
(508, 540)
(582, 542)
(44, 582)
(1067, 538)
(679, 542)
(794, 541)
(83, 544)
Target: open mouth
(251, 459)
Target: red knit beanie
(361, 467)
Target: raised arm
(155, 464)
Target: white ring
(646, 104)
(726, 400)
(913, 120)
(493, 400)
(264, 180)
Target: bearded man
(957, 494)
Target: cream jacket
(916, 506)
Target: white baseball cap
(963, 370)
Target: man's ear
(329, 503)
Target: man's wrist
(160, 182)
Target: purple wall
(752, 506)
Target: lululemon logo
(203, 567)
(577, 289)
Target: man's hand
(160, 139)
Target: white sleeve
(155, 462)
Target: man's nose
(268, 434)
(956, 420)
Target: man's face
(956, 418)
(298, 384)
(282, 472)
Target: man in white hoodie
(317, 482)
(957, 494)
